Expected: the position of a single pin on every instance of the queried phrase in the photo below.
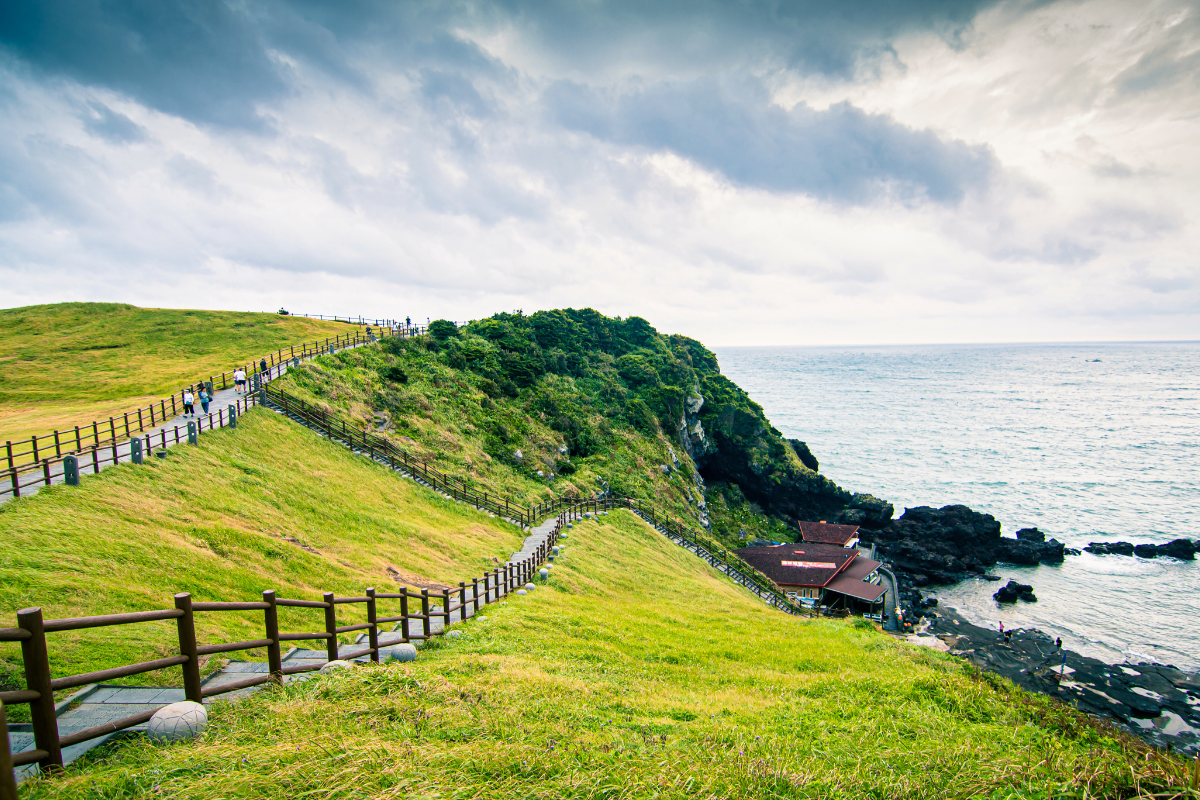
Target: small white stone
(404, 652)
(453, 634)
(545, 573)
(522, 592)
(336, 665)
(549, 566)
(555, 550)
(182, 720)
(529, 587)
(482, 619)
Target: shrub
(442, 329)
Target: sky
(785, 172)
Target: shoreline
(1158, 703)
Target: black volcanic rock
(1183, 549)
(952, 543)
(1013, 591)
(1031, 534)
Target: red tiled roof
(861, 567)
(770, 561)
(845, 584)
(827, 533)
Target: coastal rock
(953, 543)
(1014, 591)
(1182, 549)
(1031, 534)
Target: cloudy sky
(751, 172)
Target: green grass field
(216, 520)
(71, 363)
(639, 672)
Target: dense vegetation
(636, 672)
(570, 401)
(70, 363)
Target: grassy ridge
(215, 520)
(639, 672)
(71, 363)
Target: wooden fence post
(462, 601)
(271, 621)
(8, 781)
(187, 647)
(425, 613)
(475, 594)
(331, 643)
(445, 609)
(37, 679)
(404, 611)
(373, 631)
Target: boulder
(1013, 591)
(183, 720)
(1182, 549)
(1031, 535)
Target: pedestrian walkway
(164, 435)
(99, 703)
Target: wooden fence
(39, 460)
(386, 452)
(41, 684)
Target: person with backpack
(204, 399)
(189, 408)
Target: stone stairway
(98, 703)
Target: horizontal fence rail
(39, 460)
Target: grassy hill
(269, 505)
(71, 363)
(566, 402)
(639, 672)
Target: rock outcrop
(1013, 591)
(949, 544)
(1183, 549)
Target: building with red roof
(826, 533)
(819, 574)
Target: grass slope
(71, 363)
(638, 672)
(444, 415)
(215, 520)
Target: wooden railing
(385, 451)
(41, 684)
(39, 460)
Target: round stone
(404, 652)
(522, 592)
(482, 619)
(545, 573)
(529, 587)
(182, 720)
(333, 666)
(554, 550)
(453, 634)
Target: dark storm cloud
(214, 63)
(841, 154)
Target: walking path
(166, 434)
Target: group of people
(239, 385)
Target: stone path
(174, 428)
(99, 703)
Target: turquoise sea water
(1087, 442)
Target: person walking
(204, 399)
(189, 408)
(239, 380)
(262, 366)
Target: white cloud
(436, 190)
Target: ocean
(1087, 442)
